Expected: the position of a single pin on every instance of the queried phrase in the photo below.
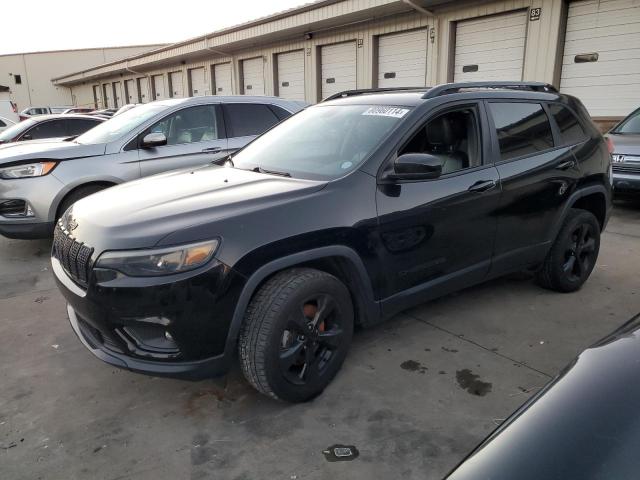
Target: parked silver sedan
(625, 138)
(38, 182)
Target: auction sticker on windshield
(394, 112)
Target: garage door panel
(610, 86)
(338, 63)
(222, 79)
(291, 75)
(493, 45)
(197, 83)
(176, 84)
(402, 59)
(253, 76)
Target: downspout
(418, 8)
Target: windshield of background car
(324, 142)
(118, 126)
(630, 125)
(16, 129)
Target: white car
(9, 111)
(5, 123)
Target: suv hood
(139, 214)
(626, 144)
(55, 150)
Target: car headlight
(152, 263)
(27, 170)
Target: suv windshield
(115, 127)
(324, 142)
(16, 129)
(630, 125)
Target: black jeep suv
(346, 213)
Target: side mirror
(416, 166)
(152, 140)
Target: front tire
(574, 253)
(296, 334)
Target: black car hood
(139, 214)
(54, 150)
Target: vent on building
(18, 79)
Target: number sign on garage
(601, 61)
(197, 83)
(490, 48)
(222, 79)
(402, 59)
(338, 70)
(291, 75)
(253, 76)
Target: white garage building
(589, 48)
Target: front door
(195, 136)
(537, 178)
(437, 235)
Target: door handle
(212, 150)
(483, 186)
(566, 165)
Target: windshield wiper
(271, 172)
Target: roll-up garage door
(338, 71)
(490, 48)
(117, 94)
(175, 84)
(107, 92)
(97, 98)
(143, 90)
(402, 59)
(222, 79)
(291, 75)
(130, 91)
(601, 61)
(197, 84)
(253, 76)
(158, 87)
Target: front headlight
(153, 263)
(27, 170)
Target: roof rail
(453, 87)
(363, 91)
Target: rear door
(245, 121)
(77, 126)
(437, 235)
(195, 136)
(47, 129)
(537, 174)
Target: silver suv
(625, 145)
(38, 182)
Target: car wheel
(296, 334)
(574, 253)
(78, 194)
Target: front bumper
(626, 182)
(173, 327)
(25, 230)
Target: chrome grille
(74, 256)
(626, 167)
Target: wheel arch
(338, 260)
(593, 198)
(57, 204)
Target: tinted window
(190, 125)
(2, 124)
(280, 112)
(570, 129)
(249, 118)
(77, 127)
(51, 129)
(522, 128)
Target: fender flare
(257, 277)
(571, 201)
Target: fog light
(15, 209)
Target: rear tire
(573, 254)
(296, 334)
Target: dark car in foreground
(582, 425)
(48, 127)
(345, 214)
(625, 140)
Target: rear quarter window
(522, 128)
(246, 119)
(571, 132)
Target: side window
(51, 129)
(280, 112)
(570, 129)
(2, 124)
(249, 118)
(190, 125)
(522, 128)
(453, 137)
(79, 126)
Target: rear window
(522, 128)
(247, 119)
(570, 129)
